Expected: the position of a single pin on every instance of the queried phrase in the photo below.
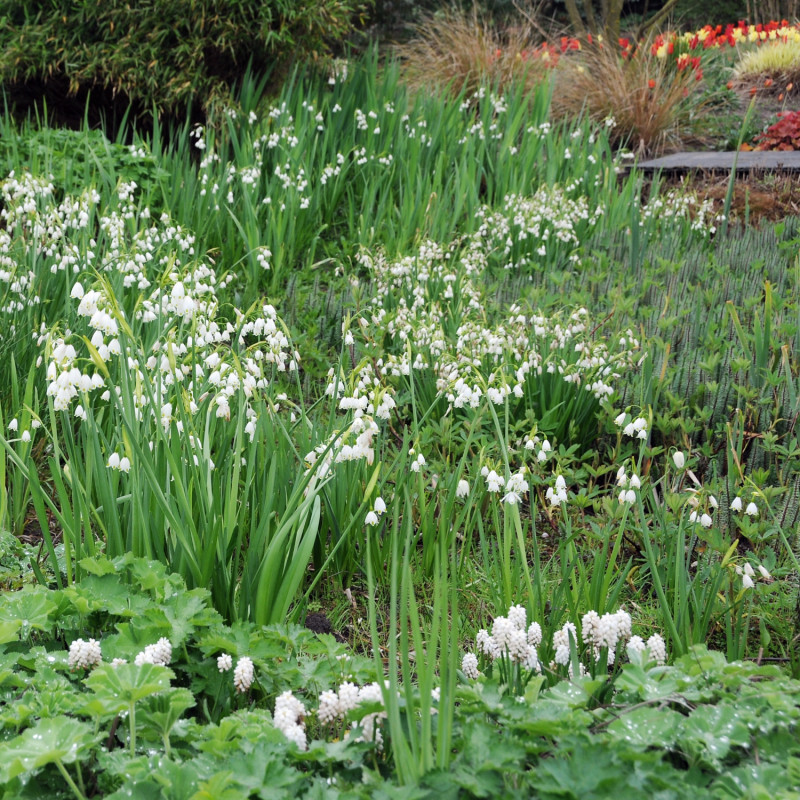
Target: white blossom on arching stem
(494, 483)
(679, 459)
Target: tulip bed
(365, 444)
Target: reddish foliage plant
(783, 135)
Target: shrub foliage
(163, 53)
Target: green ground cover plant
(439, 368)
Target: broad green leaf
(645, 684)
(116, 688)
(9, 628)
(711, 731)
(647, 727)
(56, 739)
(99, 566)
(220, 786)
(32, 608)
(164, 710)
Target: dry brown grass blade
(456, 49)
(646, 97)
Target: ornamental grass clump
(651, 102)
(462, 50)
(776, 62)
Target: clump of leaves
(782, 135)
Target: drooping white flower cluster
(153, 314)
(84, 654)
(429, 313)
(159, 653)
(335, 706)
(354, 443)
(557, 494)
(516, 488)
(635, 427)
(529, 229)
(747, 573)
(683, 205)
(378, 509)
(702, 506)
(751, 510)
(628, 485)
(288, 719)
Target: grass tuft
(457, 49)
(648, 99)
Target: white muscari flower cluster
(509, 639)
(605, 631)
(84, 654)
(244, 674)
(335, 706)
(159, 654)
(288, 719)
(224, 662)
(655, 648)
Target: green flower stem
(72, 785)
